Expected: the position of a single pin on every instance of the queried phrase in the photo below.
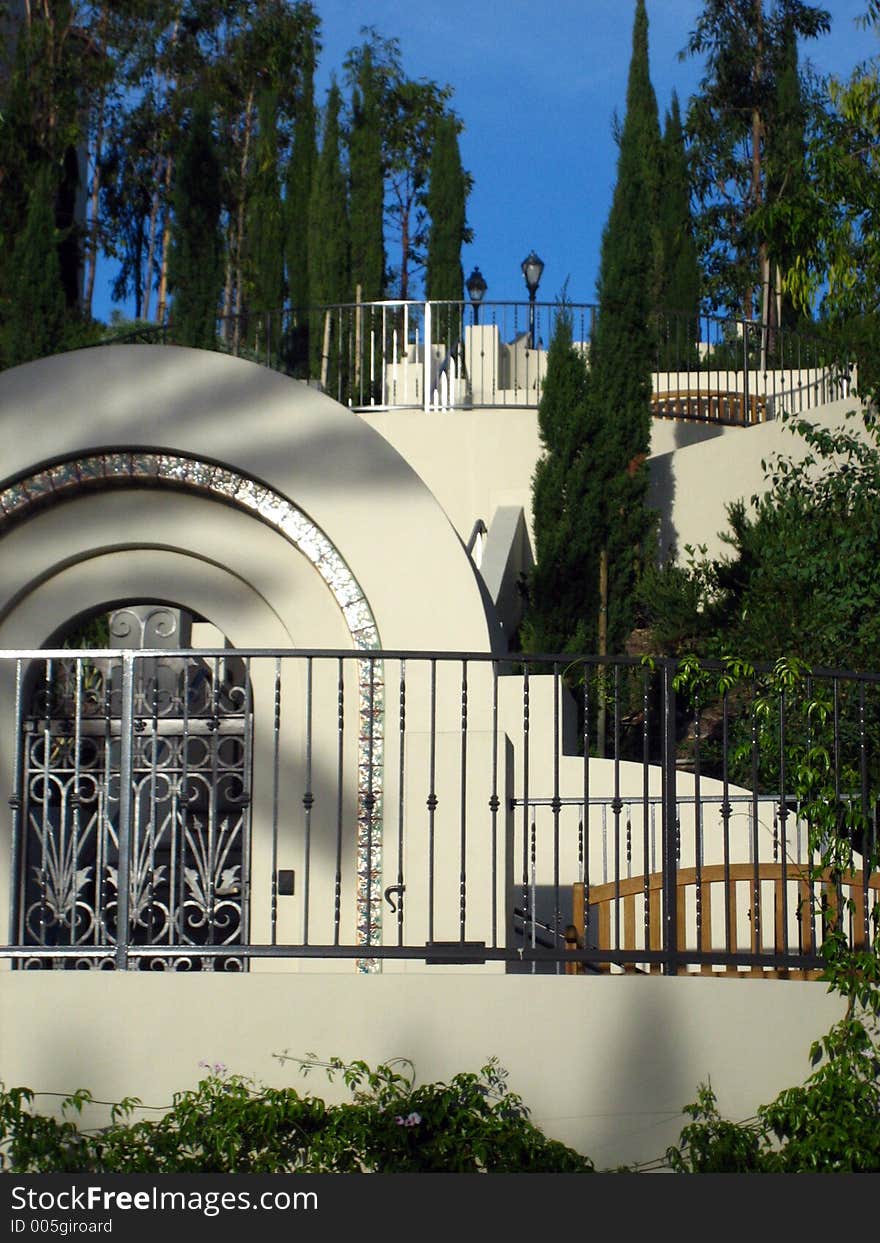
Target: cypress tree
(366, 182)
(447, 194)
(680, 285)
(622, 351)
(560, 615)
(36, 316)
(298, 188)
(446, 199)
(328, 243)
(195, 268)
(265, 224)
(366, 218)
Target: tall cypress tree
(366, 182)
(195, 268)
(446, 200)
(622, 351)
(298, 187)
(447, 195)
(680, 283)
(328, 243)
(561, 613)
(35, 321)
(265, 223)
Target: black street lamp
(476, 287)
(532, 267)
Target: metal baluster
(462, 873)
(556, 806)
(432, 796)
(18, 826)
(276, 776)
(340, 770)
(123, 892)
(308, 800)
(401, 774)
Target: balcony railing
(204, 810)
(451, 356)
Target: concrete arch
(307, 450)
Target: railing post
(669, 825)
(427, 379)
(126, 743)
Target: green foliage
(366, 187)
(447, 196)
(836, 235)
(409, 112)
(732, 121)
(801, 577)
(622, 350)
(679, 288)
(561, 612)
(298, 187)
(231, 1124)
(830, 1123)
(328, 233)
(712, 1145)
(265, 224)
(195, 272)
(36, 316)
(589, 490)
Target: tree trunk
(242, 202)
(94, 204)
(166, 242)
(602, 650)
(151, 244)
(404, 254)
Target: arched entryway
(186, 857)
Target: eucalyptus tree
(837, 229)
(747, 46)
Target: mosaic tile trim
(66, 478)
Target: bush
(230, 1124)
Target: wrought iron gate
(161, 745)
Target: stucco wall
(692, 485)
(605, 1064)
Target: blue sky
(537, 89)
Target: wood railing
(724, 910)
(714, 406)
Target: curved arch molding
(65, 479)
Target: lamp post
(476, 287)
(532, 267)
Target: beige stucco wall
(605, 1064)
(692, 485)
(474, 461)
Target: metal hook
(399, 890)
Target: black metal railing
(450, 355)
(201, 810)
